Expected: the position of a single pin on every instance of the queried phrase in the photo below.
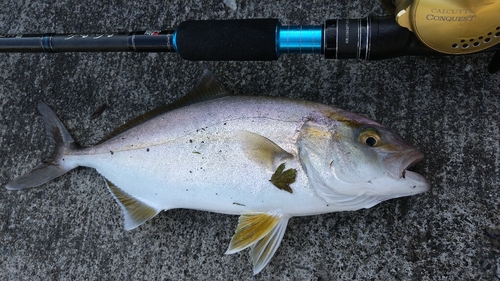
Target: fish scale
(197, 156)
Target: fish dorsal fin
(263, 233)
(261, 150)
(135, 212)
(208, 88)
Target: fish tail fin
(52, 167)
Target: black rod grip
(241, 40)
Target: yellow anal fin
(263, 232)
(261, 150)
(135, 212)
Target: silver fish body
(265, 159)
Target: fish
(265, 159)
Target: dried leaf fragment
(282, 179)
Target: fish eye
(370, 137)
(371, 141)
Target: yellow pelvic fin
(282, 179)
(263, 232)
(261, 150)
(135, 212)
(251, 228)
(264, 250)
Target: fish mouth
(411, 159)
(397, 164)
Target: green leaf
(282, 179)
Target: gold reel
(450, 26)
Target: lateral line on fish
(138, 147)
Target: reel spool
(450, 26)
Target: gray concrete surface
(71, 228)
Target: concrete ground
(71, 228)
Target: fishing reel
(451, 27)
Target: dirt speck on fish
(217, 152)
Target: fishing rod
(370, 38)
(245, 39)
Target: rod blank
(140, 41)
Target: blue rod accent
(46, 42)
(174, 41)
(300, 39)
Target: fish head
(349, 155)
(377, 160)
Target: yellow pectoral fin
(261, 150)
(135, 212)
(263, 232)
